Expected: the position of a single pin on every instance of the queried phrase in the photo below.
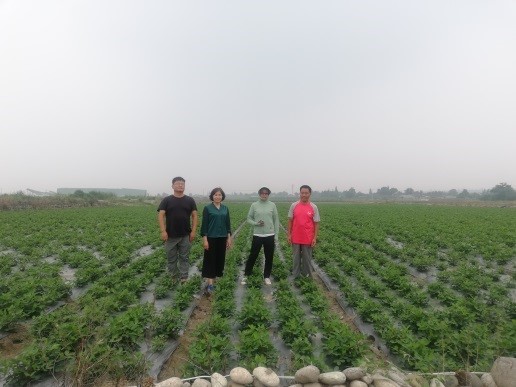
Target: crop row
(454, 316)
(247, 322)
(114, 255)
(437, 283)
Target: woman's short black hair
(263, 189)
(215, 190)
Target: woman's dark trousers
(268, 249)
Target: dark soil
(175, 364)
(13, 344)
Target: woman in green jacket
(216, 237)
(263, 215)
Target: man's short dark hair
(264, 189)
(177, 178)
(307, 187)
(215, 190)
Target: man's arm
(194, 225)
(290, 216)
(162, 225)
(289, 231)
(316, 230)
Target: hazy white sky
(347, 93)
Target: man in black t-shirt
(174, 213)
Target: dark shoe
(209, 290)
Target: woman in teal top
(216, 237)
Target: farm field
(85, 297)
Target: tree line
(501, 192)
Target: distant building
(33, 192)
(115, 191)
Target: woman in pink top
(303, 226)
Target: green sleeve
(250, 216)
(205, 221)
(228, 222)
(275, 219)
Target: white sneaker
(244, 281)
(268, 281)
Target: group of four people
(177, 218)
